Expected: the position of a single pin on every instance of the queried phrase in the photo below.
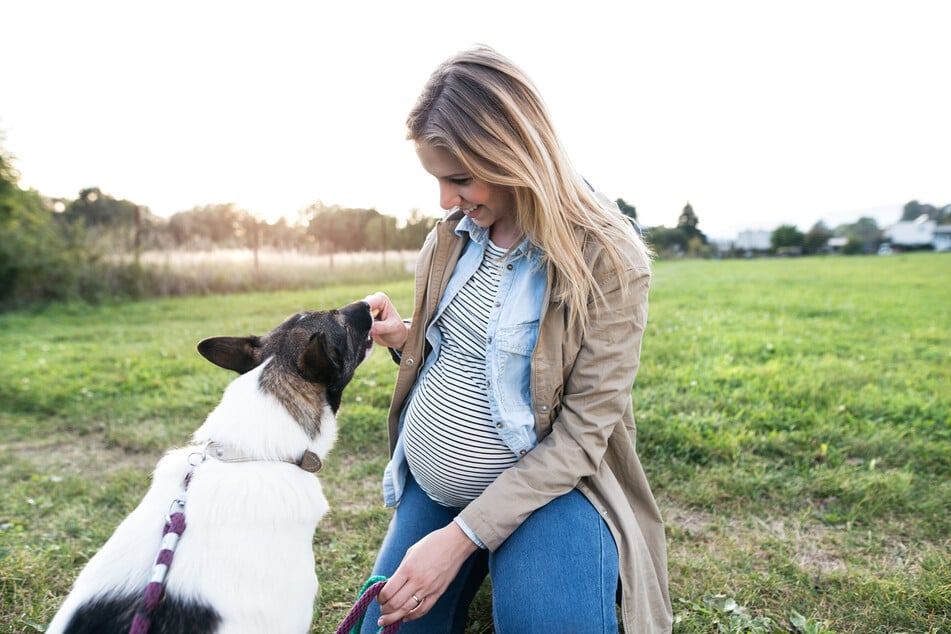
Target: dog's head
(311, 358)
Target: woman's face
(488, 205)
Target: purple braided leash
(354, 618)
(156, 585)
(155, 588)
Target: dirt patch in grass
(813, 547)
(79, 455)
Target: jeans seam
(604, 618)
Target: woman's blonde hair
(487, 113)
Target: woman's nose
(448, 196)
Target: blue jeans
(557, 573)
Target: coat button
(544, 408)
(410, 362)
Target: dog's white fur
(247, 547)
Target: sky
(758, 113)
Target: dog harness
(175, 524)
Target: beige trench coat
(581, 394)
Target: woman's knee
(557, 573)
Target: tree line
(318, 228)
(87, 248)
(62, 249)
(862, 236)
(331, 229)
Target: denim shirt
(511, 336)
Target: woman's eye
(460, 181)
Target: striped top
(451, 443)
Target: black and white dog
(250, 499)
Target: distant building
(837, 245)
(941, 241)
(752, 240)
(915, 233)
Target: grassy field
(793, 417)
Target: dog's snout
(359, 313)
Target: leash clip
(179, 504)
(195, 458)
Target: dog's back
(245, 562)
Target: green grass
(793, 416)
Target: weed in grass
(728, 616)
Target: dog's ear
(232, 353)
(320, 360)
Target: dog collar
(309, 461)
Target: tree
(910, 211)
(381, 234)
(95, 208)
(913, 210)
(697, 248)
(343, 230)
(37, 260)
(864, 231)
(223, 225)
(817, 238)
(787, 236)
(688, 223)
(853, 247)
(628, 210)
(283, 235)
(414, 232)
(113, 223)
(8, 176)
(667, 241)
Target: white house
(915, 233)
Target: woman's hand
(426, 571)
(388, 328)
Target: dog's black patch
(113, 615)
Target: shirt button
(488, 383)
(522, 452)
(499, 425)
(510, 267)
(490, 340)
(497, 304)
